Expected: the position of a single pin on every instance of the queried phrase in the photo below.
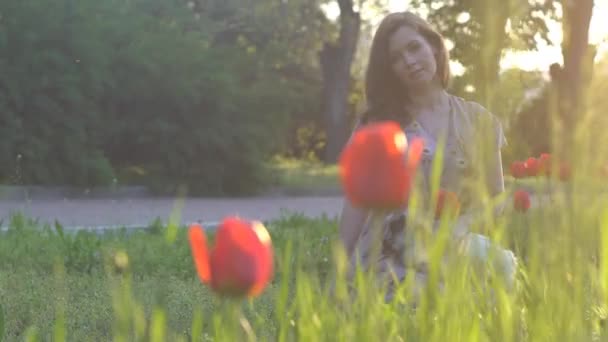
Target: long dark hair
(384, 92)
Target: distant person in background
(406, 81)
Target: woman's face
(412, 58)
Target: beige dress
(398, 255)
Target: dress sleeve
(486, 125)
(488, 138)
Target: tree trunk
(576, 52)
(494, 15)
(336, 59)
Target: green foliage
(535, 116)
(302, 177)
(53, 78)
(81, 251)
(1, 323)
(540, 113)
(516, 90)
(515, 86)
(153, 92)
(481, 31)
(284, 38)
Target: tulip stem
(231, 309)
(246, 326)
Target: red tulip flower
(377, 166)
(518, 169)
(532, 166)
(521, 200)
(447, 201)
(240, 264)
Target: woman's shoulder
(475, 118)
(471, 109)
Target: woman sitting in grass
(406, 82)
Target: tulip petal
(377, 166)
(266, 256)
(521, 200)
(242, 258)
(414, 153)
(200, 254)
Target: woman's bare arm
(352, 219)
(351, 223)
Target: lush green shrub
(98, 93)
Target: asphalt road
(110, 213)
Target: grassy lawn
(294, 177)
(55, 286)
(46, 276)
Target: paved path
(139, 212)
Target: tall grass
(71, 287)
(142, 286)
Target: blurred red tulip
(377, 166)
(518, 169)
(532, 166)
(240, 264)
(448, 203)
(521, 200)
(200, 253)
